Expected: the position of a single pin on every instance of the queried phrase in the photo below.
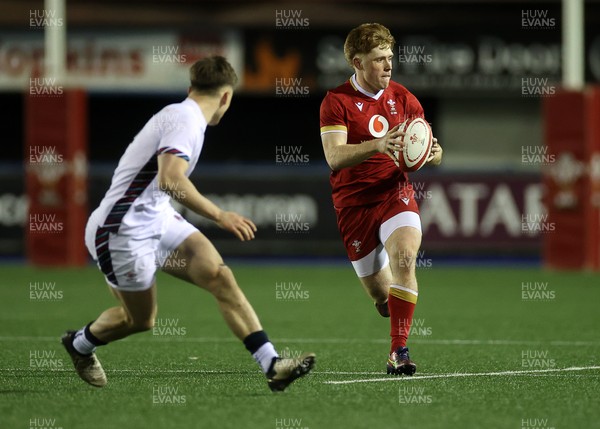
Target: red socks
(401, 302)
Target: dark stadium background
(483, 129)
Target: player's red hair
(365, 37)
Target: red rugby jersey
(364, 116)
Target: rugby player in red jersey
(377, 216)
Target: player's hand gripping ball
(417, 145)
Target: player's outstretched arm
(173, 181)
(341, 155)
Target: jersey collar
(354, 83)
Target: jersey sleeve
(333, 116)
(415, 109)
(176, 130)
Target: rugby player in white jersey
(135, 230)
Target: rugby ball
(418, 140)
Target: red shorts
(365, 229)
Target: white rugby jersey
(134, 200)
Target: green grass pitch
(490, 345)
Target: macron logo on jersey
(359, 105)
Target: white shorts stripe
(401, 219)
(371, 263)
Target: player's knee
(218, 273)
(221, 281)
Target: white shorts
(128, 260)
(378, 258)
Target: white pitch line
(464, 374)
(534, 372)
(421, 341)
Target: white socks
(82, 344)
(264, 356)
